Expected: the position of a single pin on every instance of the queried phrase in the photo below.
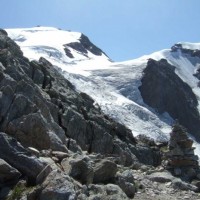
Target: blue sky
(124, 29)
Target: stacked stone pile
(181, 158)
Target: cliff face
(165, 91)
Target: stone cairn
(181, 160)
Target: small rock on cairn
(182, 161)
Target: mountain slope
(58, 141)
(115, 86)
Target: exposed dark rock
(197, 73)
(125, 180)
(73, 146)
(76, 46)
(161, 177)
(193, 53)
(60, 155)
(17, 156)
(104, 171)
(4, 192)
(58, 186)
(79, 168)
(43, 174)
(83, 46)
(163, 90)
(3, 32)
(181, 185)
(68, 52)
(8, 174)
(147, 155)
(103, 192)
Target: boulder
(34, 151)
(104, 171)
(58, 186)
(181, 185)
(103, 192)
(161, 177)
(125, 180)
(79, 168)
(8, 174)
(146, 154)
(73, 146)
(17, 156)
(60, 155)
(4, 192)
(43, 174)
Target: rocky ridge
(165, 91)
(56, 144)
(41, 114)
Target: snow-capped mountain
(139, 93)
(65, 49)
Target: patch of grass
(16, 193)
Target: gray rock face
(104, 171)
(58, 186)
(178, 184)
(79, 168)
(193, 53)
(126, 182)
(83, 47)
(17, 156)
(197, 74)
(8, 174)
(24, 112)
(161, 177)
(103, 192)
(163, 90)
(147, 155)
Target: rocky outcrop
(48, 126)
(18, 157)
(164, 91)
(8, 174)
(126, 182)
(83, 46)
(57, 186)
(197, 73)
(104, 192)
(193, 53)
(104, 171)
(79, 168)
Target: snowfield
(114, 86)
